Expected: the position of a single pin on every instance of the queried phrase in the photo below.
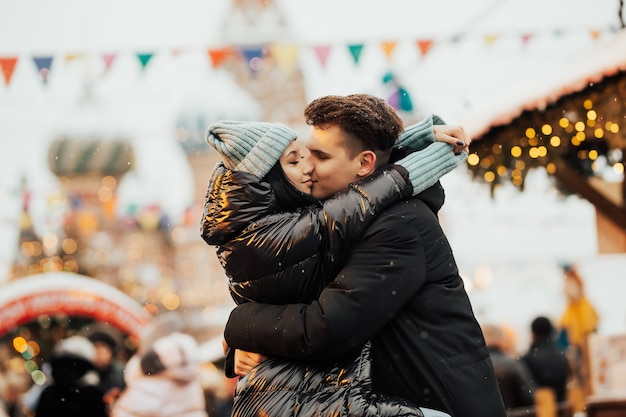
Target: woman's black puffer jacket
(279, 257)
(277, 387)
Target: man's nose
(308, 164)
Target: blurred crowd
(89, 373)
(555, 364)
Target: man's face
(334, 166)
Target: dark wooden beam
(577, 184)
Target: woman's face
(297, 166)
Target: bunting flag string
(7, 65)
(285, 55)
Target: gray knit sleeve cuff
(419, 135)
(426, 167)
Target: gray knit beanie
(253, 147)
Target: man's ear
(367, 161)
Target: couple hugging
(349, 300)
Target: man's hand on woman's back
(245, 361)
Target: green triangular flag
(356, 50)
(144, 59)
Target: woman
(278, 244)
(162, 381)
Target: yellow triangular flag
(286, 56)
(491, 39)
(74, 56)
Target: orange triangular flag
(388, 48)
(322, 51)
(286, 56)
(219, 55)
(595, 34)
(7, 65)
(424, 46)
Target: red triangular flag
(322, 51)
(7, 65)
(424, 46)
(526, 37)
(108, 60)
(219, 55)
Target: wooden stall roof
(563, 121)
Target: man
(400, 288)
(546, 362)
(514, 379)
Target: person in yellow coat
(579, 320)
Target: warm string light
(583, 141)
(29, 350)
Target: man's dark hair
(542, 327)
(370, 121)
(103, 337)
